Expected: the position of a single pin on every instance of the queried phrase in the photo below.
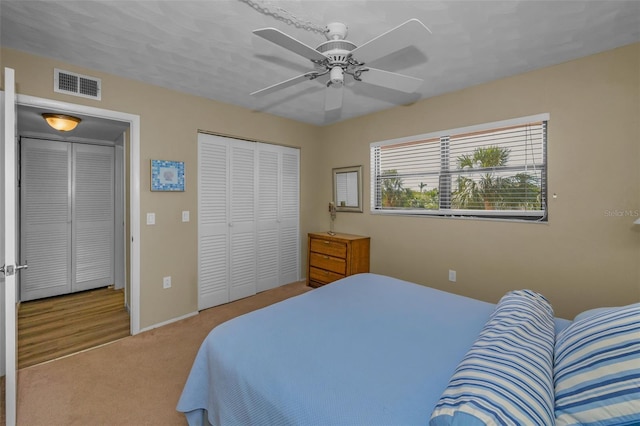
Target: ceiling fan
(338, 56)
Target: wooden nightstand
(331, 257)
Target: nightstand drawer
(332, 256)
(331, 248)
(329, 263)
(323, 276)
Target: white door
(67, 217)
(9, 243)
(278, 216)
(268, 217)
(93, 217)
(213, 222)
(289, 219)
(242, 220)
(226, 220)
(45, 218)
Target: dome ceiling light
(61, 122)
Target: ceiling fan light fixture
(61, 122)
(336, 76)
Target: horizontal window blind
(494, 170)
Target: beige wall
(170, 247)
(580, 259)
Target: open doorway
(99, 128)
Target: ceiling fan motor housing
(337, 51)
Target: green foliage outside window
(493, 191)
(394, 194)
(488, 191)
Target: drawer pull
(326, 257)
(326, 242)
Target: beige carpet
(134, 381)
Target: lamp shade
(61, 122)
(637, 221)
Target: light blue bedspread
(366, 350)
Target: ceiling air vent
(76, 84)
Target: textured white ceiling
(206, 48)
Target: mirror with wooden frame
(347, 189)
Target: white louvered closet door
(290, 217)
(267, 225)
(93, 217)
(278, 216)
(242, 220)
(248, 232)
(213, 221)
(226, 220)
(45, 218)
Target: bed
(365, 350)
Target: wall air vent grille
(76, 84)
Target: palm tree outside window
(495, 170)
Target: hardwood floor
(62, 325)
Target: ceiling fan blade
(393, 40)
(391, 80)
(281, 39)
(286, 83)
(333, 97)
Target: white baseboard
(160, 324)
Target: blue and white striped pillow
(506, 376)
(597, 369)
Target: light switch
(151, 218)
(185, 215)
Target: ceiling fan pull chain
(277, 12)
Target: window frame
(444, 137)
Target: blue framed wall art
(167, 175)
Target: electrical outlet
(185, 215)
(151, 218)
(166, 282)
(452, 275)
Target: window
(491, 170)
